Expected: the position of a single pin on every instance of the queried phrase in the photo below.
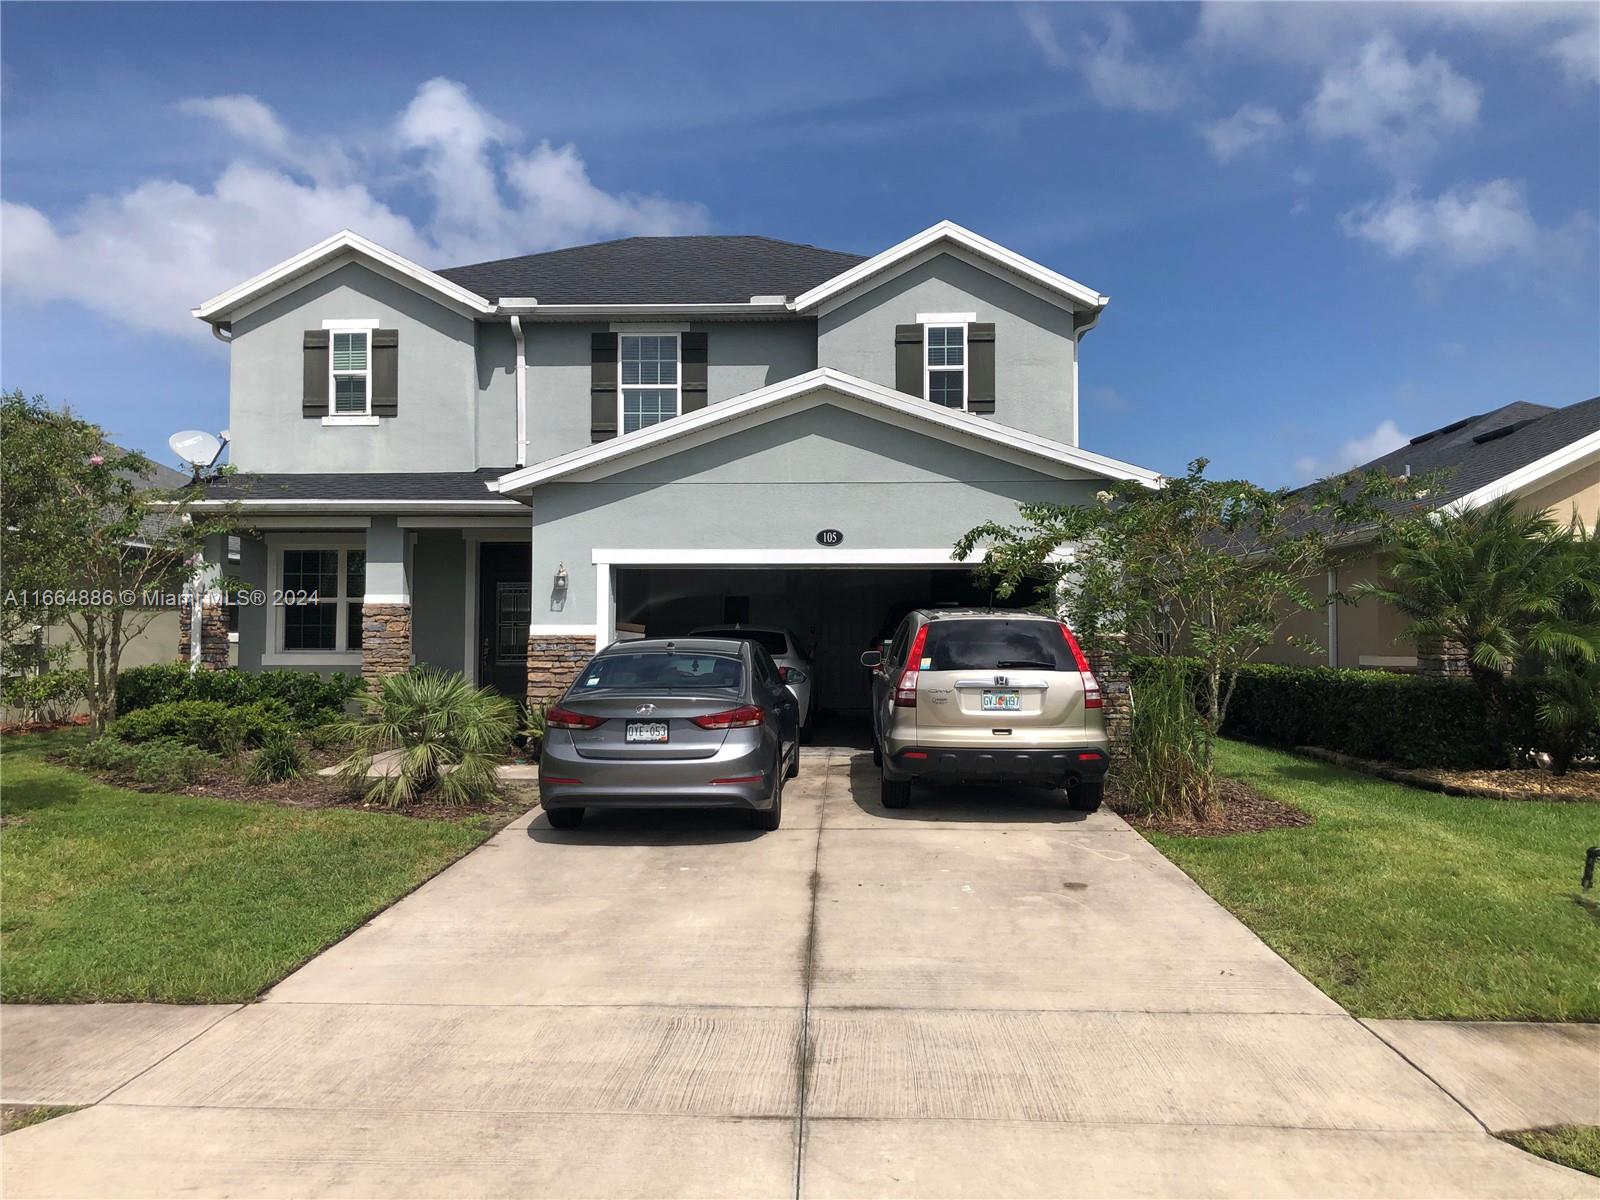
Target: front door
(505, 604)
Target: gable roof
(330, 252)
(765, 404)
(657, 270)
(1501, 452)
(948, 236)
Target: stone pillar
(1116, 696)
(1441, 658)
(385, 640)
(554, 661)
(185, 639)
(213, 634)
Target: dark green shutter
(693, 351)
(908, 359)
(980, 368)
(602, 386)
(385, 372)
(314, 393)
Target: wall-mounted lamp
(561, 577)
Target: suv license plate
(1001, 702)
(646, 731)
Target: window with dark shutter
(693, 348)
(908, 364)
(602, 386)
(980, 367)
(314, 393)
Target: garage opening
(834, 614)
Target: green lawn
(118, 895)
(1405, 903)
(1575, 1146)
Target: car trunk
(684, 739)
(1010, 677)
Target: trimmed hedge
(1409, 720)
(210, 725)
(307, 695)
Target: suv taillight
(565, 718)
(1091, 685)
(734, 718)
(905, 688)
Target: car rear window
(770, 640)
(988, 645)
(671, 672)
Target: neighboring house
(497, 468)
(1548, 458)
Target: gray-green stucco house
(497, 468)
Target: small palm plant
(446, 737)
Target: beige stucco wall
(1580, 488)
(1369, 630)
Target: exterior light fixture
(561, 577)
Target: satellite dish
(196, 447)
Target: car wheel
(895, 793)
(877, 749)
(769, 818)
(564, 818)
(805, 733)
(794, 763)
(1086, 797)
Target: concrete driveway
(982, 995)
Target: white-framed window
(651, 382)
(945, 363)
(350, 372)
(317, 594)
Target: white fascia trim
(385, 598)
(646, 328)
(948, 232)
(519, 523)
(345, 241)
(1570, 457)
(350, 419)
(937, 556)
(961, 425)
(537, 311)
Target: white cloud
(1119, 76)
(1252, 126)
(1036, 20)
(1397, 109)
(1462, 227)
(1106, 399)
(1353, 453)
(1579, 53)
(145, 256)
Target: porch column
(386, 606)
(1441, 658)
(1116, 699)
(202, 616)
(557, 650)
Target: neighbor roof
(657, 270)
(1497, 452)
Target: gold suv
(982, 696)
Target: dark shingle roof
(658, 270)
(1482, 449)
(411, 485)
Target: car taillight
(565, 718)
(905, 688)
(1091, 685)
(734, 718)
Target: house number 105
(829, 537)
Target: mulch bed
(1243, 810)
(43, 726)
(1580, 785)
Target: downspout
(522, 391)
(216, 332)
(1077, 335)
(1333, 617)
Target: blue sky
(1323, 227)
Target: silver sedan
(671, 723)
(798, 672)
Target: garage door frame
(607, 560)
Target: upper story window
(946, 365)
(650, 379)
(350, 386)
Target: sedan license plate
(1009, 701)
(646, 731)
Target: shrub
(310, 697)
(207, 724)
(163, 762)
(45, 697)
(1166, 765)
(279, 758)
(436, 720)
(1409, 720)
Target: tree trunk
(1491, 686)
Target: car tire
(564, 818)
(805, 734)
(895, 793)
(877, 750)
(794, 763)
(1086, 797)
(768, 819)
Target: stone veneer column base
(1440, 657)
(185, 616)
(213, 636)
(385, 640)
(553, 663)
(1116, 697)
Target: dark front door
(504, 606)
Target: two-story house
(497, 468)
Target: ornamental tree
(1206, 568)
(89, 543)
